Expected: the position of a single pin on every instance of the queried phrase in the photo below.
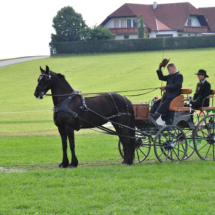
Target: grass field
(30, 147)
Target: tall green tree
(140, 27)
(67, 24)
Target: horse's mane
(61, 76)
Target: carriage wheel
(170, 144)
(204, 138)
(190, 144)
(143, 147)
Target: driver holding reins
(172, 89)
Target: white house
(160, 20)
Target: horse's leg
(65, 161)
(74, 160)
(128, 143)
(118, 130)
(129, 147)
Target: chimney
(154, 5)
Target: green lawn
(30, 147)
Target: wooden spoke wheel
(170, 144)
(142, 148)
(204, 138)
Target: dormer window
(189, 22)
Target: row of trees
(70, 26)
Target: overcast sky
(26, 25)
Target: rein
(99, 94)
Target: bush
(133, 45)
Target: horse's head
(44, 83)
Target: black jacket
(203, 92)
(174, 84)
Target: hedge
(132, 45)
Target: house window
(164, 35)
(126, 36)
(116, 23)
(128, 23)
(123, 23)
(134, 22)
(180, 35)
(189, 22)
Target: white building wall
(121, 37)
(194, 22)
(154, 33)
(133, 36)
(109, 24)
(190, 34)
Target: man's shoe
(156, 116)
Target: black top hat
(202, 72)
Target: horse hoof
(62, 166)
(124, 163)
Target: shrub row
(133, 45)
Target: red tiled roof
(162, 27)
(124, 10)
(209, 13)
(175, 15)
(169, 16)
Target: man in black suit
(172, 89)
(203, 90)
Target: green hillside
(92, 73)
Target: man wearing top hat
(203, 89)
(172, 89)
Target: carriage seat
(177, 104)
(212, 93)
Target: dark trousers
(197, 104)
(161, 109)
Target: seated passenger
(203, 89)
(172, 89)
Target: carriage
(173, 141)
(178, 135)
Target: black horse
(106, 105)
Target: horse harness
(63, 107)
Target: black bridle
(44, 89)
